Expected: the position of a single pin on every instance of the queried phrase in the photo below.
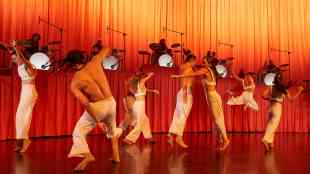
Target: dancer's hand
(174, 76)
(156, 91)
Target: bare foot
(225, 145)
(83, 164)
(151, 141)
(170, 140)
(127, 141)
(266, 145)
(17, 149)
(181, 143)
(26, 144)
(114, 161)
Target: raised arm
(234, 75)
(20, 59)
(145, 79)
(101, 55)
(290, 95)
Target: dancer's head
(191, 59)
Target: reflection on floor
(245, 155)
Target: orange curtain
(255, 28)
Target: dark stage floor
(245, 155)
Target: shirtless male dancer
(183, 105)
(90, 86)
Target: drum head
(110, 63)
(269, 79)
(165, 60)
(221, 70)
(40, 61)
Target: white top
(23, 73)
(140, 92)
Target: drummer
(158, 50)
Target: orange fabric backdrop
(253, 27)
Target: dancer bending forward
(90, 86)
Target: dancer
(27, 101)
(213, 98)
(276, 94)
(90, 86)
(247, 96)
(183, 104)
(142, 124)
(128, 101)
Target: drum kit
(271, 72)
(112, 62)
(161, 55)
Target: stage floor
(244, 156)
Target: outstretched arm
(193, 74)
(155, 91)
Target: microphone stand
(282, 51)
(181, 36)
(59, 28)
(109, 29)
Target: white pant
(215, 103)
(142, 124)
(106, 112)
(181, 112)
(246, 98)
(275, 112)
(27, 101)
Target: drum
(165, 60)
(270, 78)
(110, 63)
(221, 70)
(40, 61)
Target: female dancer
(247, 96)
(275, 94)
(213, 98)
(128, 100)
(143, 123)
(27, 100)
